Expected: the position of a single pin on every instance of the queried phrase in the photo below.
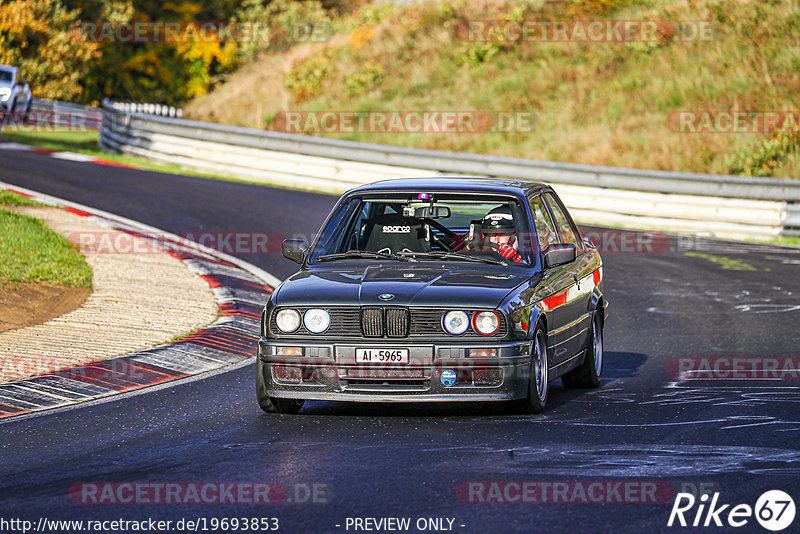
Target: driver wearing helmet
(497, 227)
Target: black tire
(273, 404)
(590, 373)
(538, 383)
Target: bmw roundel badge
(386, 296)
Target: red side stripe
(555, 301)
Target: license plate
(381, 355)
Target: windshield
(438, 227)
(6, 76)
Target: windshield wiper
(453, 255)
(362, 254)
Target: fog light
(489, 377)
(283, 373)
(288, 351)
(482, 353)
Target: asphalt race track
(644, 428)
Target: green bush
(306, 77)
(369, 76)
(762, 160)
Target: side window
(545, 231)
(565, 229)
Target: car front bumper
(328, 371)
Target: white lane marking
(72, 156)
(69, 385)
(17, 403)
(15, 146)
(767, 308)
(47, 387)
(43, 392)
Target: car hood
(456, 285)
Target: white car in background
(15, 93)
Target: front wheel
(274, 404)
(538, 384)
(590, 373)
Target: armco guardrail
(149, 109)
(54, 112)
(725, 206)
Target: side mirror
(294, 249)
(559, 254)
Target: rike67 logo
(774, 510)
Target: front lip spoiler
(408, 398)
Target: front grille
(372, 322)
(397, 322)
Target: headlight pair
(315, 320)
(456, 323)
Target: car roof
(455, 184)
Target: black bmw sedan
(436, 289)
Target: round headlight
(287, 320)
(455, 323)
(316, 320)
(487, 323)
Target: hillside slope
(605, 103)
